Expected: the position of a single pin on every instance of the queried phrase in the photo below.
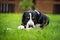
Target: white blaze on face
(21, 27)
(30, 16)
(30, 22)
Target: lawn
(50, 32)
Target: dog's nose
(30, 26)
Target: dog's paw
(21, 27)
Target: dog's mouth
(30, 26)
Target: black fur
(42, 19)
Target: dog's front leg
(27, 26)
(33, 25)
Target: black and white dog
(33, 17)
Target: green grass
(50, 32)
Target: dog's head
(26, 17)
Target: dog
(37, 17)
(29, 17)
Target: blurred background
(18, 6)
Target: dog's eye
(32, 17)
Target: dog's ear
(23, 17)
